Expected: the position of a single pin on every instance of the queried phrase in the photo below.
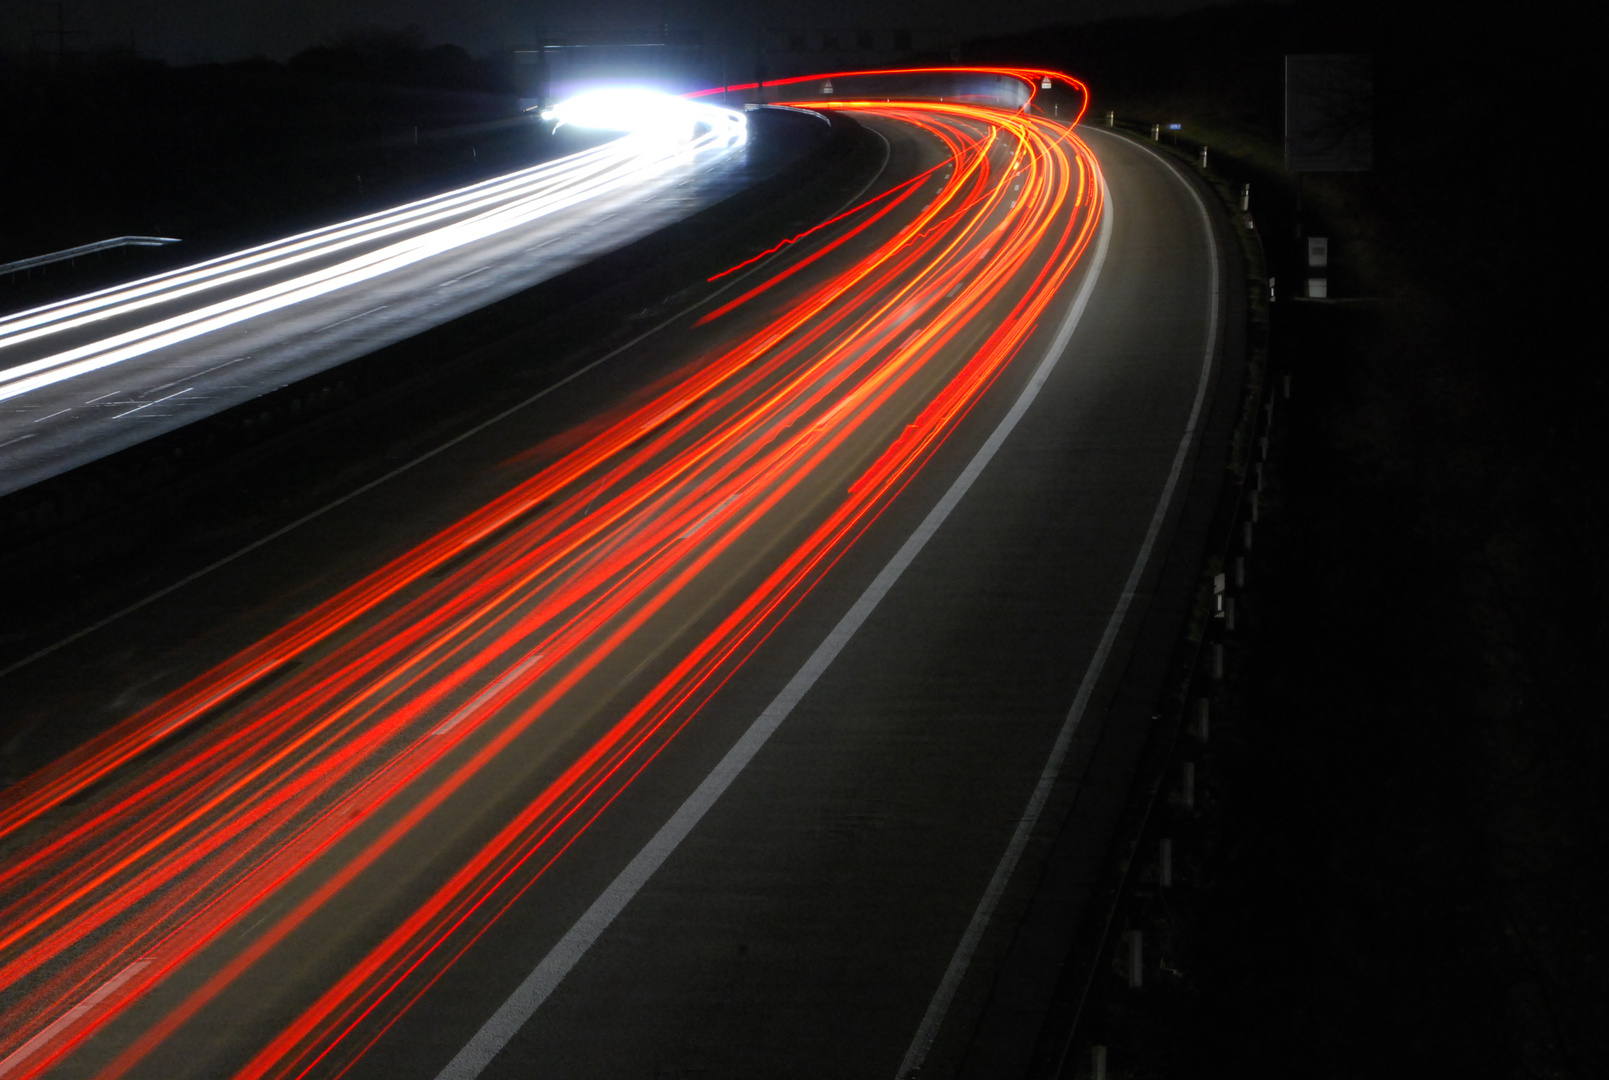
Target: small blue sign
(1175, 127)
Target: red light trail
(309, 757)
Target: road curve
(347, 845)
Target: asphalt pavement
(846, 901)
(806, 925)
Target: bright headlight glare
(626, 108)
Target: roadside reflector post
(1229, 613)
(1203, 714)
(1318, 258)
(1203, 157)
(1111, 121)
(1187, 785)
(1258, 467)
(1133, 942)
(1240, 571)
(1097, 1063)
(1156, 132)
(1245, 196)
(1164, 863)
(1245, 535)
(1217, 661)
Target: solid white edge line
(928, 1030)
(545, 978)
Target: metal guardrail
(86, 249)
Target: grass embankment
(1395, 863)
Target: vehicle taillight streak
(293, 769)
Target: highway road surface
(718, 727)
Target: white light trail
(365, 248)
(26, 326)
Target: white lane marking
(540, 984)
(472, 273)
(360, 314)
(158, 401)
(705, 520)
(18, 439)
(928, 1030)
(29, 1048)
(51, 416)
(487, 694)
(197, 374)
(103, 397)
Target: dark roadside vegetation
(1395, 864)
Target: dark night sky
(185, 30)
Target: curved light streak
(365, 248)
(310, 756)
